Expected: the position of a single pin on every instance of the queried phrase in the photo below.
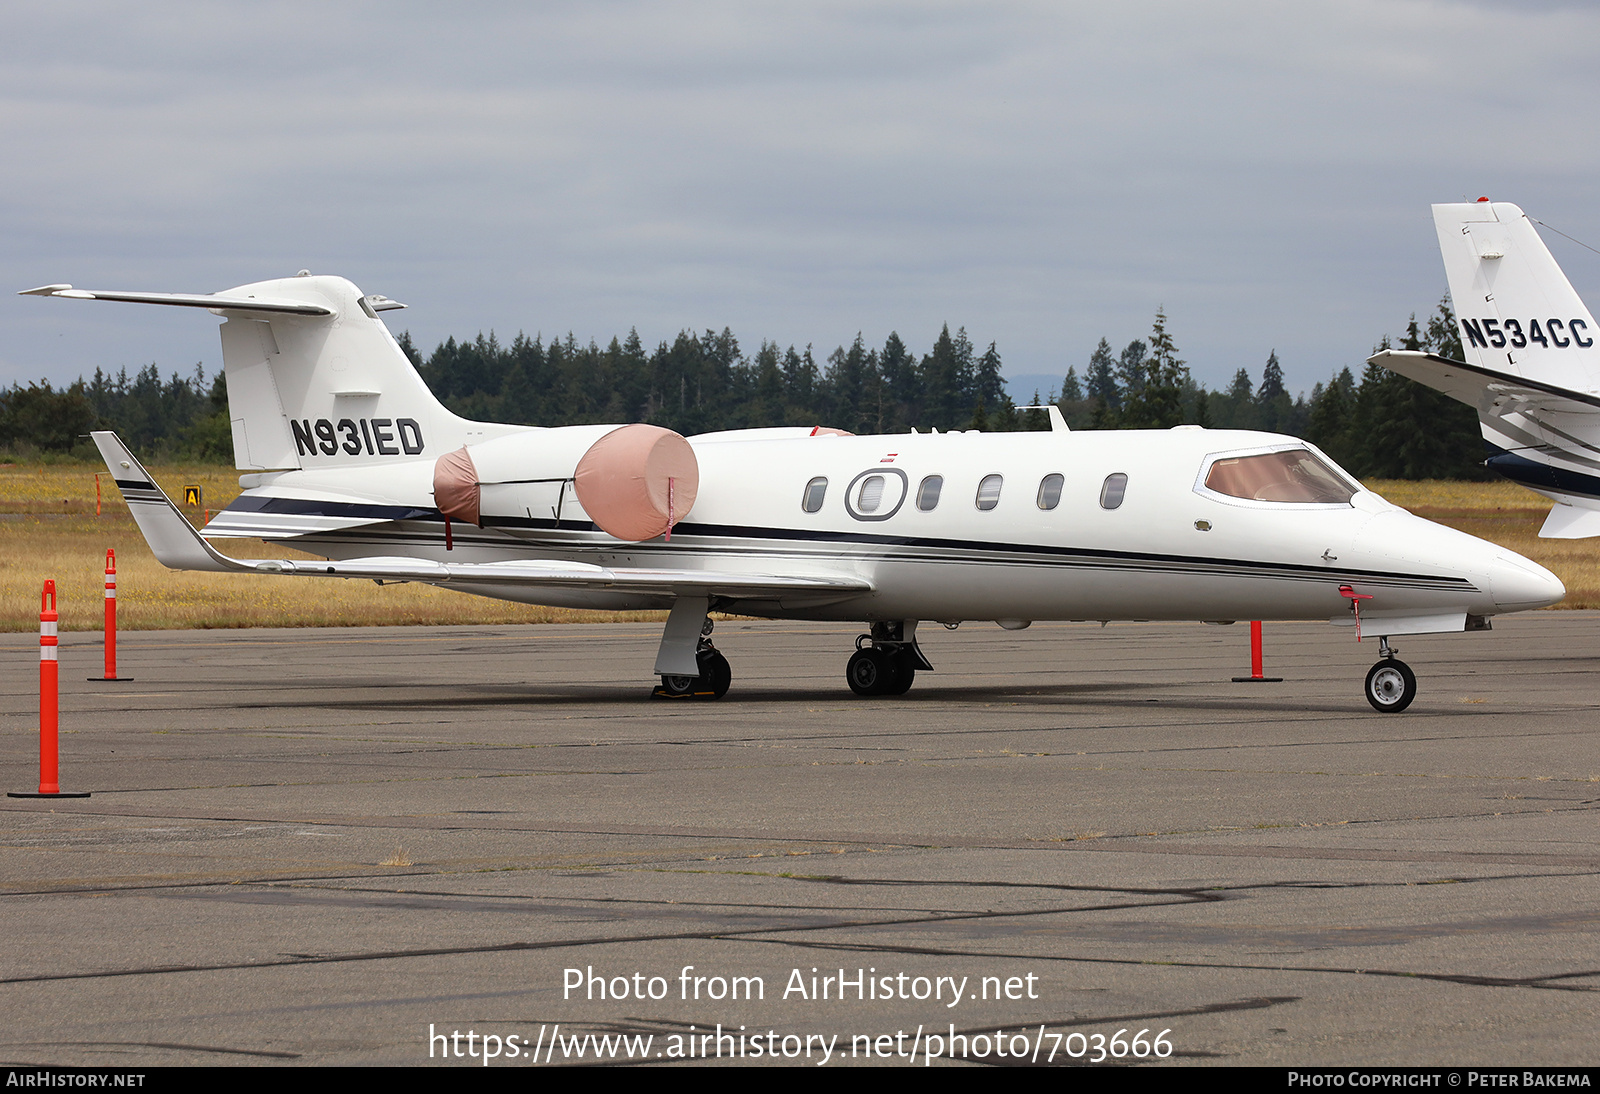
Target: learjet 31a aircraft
(350, 457)
(1533, 367)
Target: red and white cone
(49, 705)
(111, 624)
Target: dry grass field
(48, 529)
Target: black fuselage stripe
(833, 538)
(1166, 565)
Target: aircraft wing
(1489, 392)
(177, 545)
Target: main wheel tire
(715, 673)
(868, 672)
(678, 686)
(902, 671)
(1391, 685)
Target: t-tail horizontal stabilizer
(217, 302)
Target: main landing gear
(712, 682)
(1391, 685)
(889, 664)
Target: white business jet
(1533, 367)
(352, 458)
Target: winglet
(171, 537)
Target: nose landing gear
(1391, 685)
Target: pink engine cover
(637, 481)
(455, 487)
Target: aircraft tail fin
(314, 377)
(1517, 311)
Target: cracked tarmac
(311, 846)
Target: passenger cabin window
(1050, 491)
(989, 492)
(1112, 490)
(811, 501)
(1292, 476)
(870, 495)
(928, 493)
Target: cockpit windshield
(1294, 475)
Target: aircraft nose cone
(1516, 584)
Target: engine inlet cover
(638, 481)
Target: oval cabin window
(1050, 491)
(1111, 492)
(989, 492)
(816, 489)
(928, 493)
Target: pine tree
(1102, 387)
(800, 388)
(1444, 335)
(1408, 430)
(769, 410)
(1158, 402)
(947, 386)
(852, 381)
(991, 390)
(1329, 425)
(1131, 368)
(898, 368)
(1272, 400)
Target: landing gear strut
(1391, 685)
(714, 677)
(889, 664)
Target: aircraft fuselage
(997, 543)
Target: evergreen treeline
(1384, 425)
(701, 383)
(176, 418)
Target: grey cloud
(1042, 173)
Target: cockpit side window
(816, 490)
(1294, 476)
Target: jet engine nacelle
(634, 481)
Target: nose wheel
(1391, 685)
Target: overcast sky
(1042, 174)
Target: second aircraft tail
(1532, 368)
(1518, 312)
